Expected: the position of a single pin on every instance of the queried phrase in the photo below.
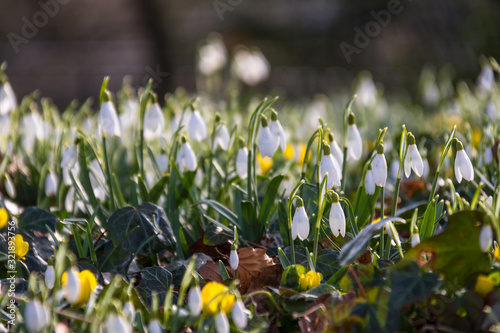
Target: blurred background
(66, 47)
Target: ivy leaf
(154, 280)
(34, 218)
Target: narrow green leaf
(283, 259)
(222, 210)
(427, 224)
(223, 271)
(268, 203)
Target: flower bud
(239, 316)
(234, 260)
(117, 324)
(50, 277)
(194, 300)
(36, 316)
(221, 323)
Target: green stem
(108, 171)
(382, 238)
(78, 242)
(268, 294)
(396, 195)
(344, 170)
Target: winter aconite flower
(277, 130)
(369, 182)
(242, 160)
(289, 152)
(330, 166)
(4, 218)
(108, 124)
(337, 217)
(463, 165)
(78, 286)
(194, 300)
(186, 159)
(310, 280)
(221, 323)
(484, 285)
(265, 163)
(300, 221)
(379, 167)
(154, 122)
(485, 237)
(36, 316)
(21, 247)
(117, 324)
(413, 160)
(354, 142)
(267, 141)
(216, 297)
(239, 316)
(197, 128)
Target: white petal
(234, 260)
(369, 183)
(162, 162)
(36, 316)
(187, 157)
(222, 138)
(154, 326)
(50, 277)
(300, 224)
(129, 311)
(72, 288)
(239, 316)
(354, 143)
(407, 164)
(379, 167)
(416, 161)
(194, 300)
(485, 237)
(415, 239)
(278, 131)
(107, 122)
(337, 154)
(9, 187)
(267, 142)
(464, 165)
(69, 157)
(488, 155)
(221, 323)
(51, 184)
(117, 324)
(242, 163)
(337, 220)
(329, 165)
(154, 122)
(197, 128)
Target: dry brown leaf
(270, 276)
(252, 263)
(211, 272)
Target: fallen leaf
(252, 263)
(211, 272)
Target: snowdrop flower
(251, 66)
(8, 100)
(242, 160)
(96, 179)
(354, 142)
(267, 141)
(50, 277)
(486, 79)
(300, 221)
(186, 159)
(154, 326)
(234, 260)
(72, 288)
(36, 316)
(485, 237)
(463, 165)
(221, 323)
(129, 311)
(212, 56)
(415, 239)
(154, 122)
(238, 313)
(379, 167)
(107, 121)
(162, 162)
(70, 157)
(330, 166)
(222, 137)
(337, 217)
(488, 155)
(117, 324)
(128, 118)
(197, 128)
(51, 184)
(491, 111)
(336, 151)
(194, 300)
(367, 91)
(413, 160)
(369, 182)
(277, 130)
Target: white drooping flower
(221, 323)
(330, 166)
(155, 326)
(70, 157)
(337, 217)
(463, 165)
(108, 123)
(186, 159)
(212, 56)
(354, 142)
(8, 100)
(50, 277)
(197, 128)
(367, 91)
(415, 239)
(242, 162)
(234, 260)
(239, 316)
(36, 316)
(300, 222)
(277, 130)
(251, 66)
(486, 79)
(337, 153)
(194, 300)
(413, 160)
(117, 324)
(485, 237)
(267, 141)
(154, 122)
(488, 155)
(379, 167)
(51, 184)
(162, 162)
(369, 182)
(97, 180)
(72, 288)
(222, 137)
(129, 311)
(128, 118)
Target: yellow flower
(88, 283)
(21, 246)
(289, 152)
(266, 163)
(496, 254)
(302, 153)
(4, 218)
(215, 297)
(484, 285)
(310, 280)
